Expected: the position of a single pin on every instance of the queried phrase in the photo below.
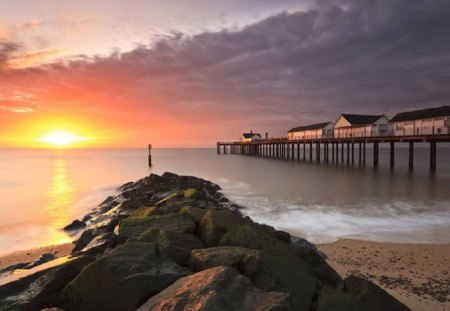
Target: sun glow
(61, 138)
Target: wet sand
(416, 274)
(8, 259)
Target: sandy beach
(29, 255)
(416, 274)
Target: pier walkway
(332, 149)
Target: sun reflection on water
(60, 197)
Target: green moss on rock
(134, 226)
(191, 193)
(251, 236)
(215, 224)
(206, 258)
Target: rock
(251, 236)
(194, 212)
(75, 225)
(191, 193)
(143, 211)
(100, 244)
(319, 265)
(121, 279)
(174, 245)
(40, 290)
(300, 243)
(134, 226)
(216, 289)
(371, 296)
(93, 231)
(332, 299)
(14, 267)
(206, 258)
(358, 294)
(281, 269)
(282, 236)
(215, 224)
(42, 259)
(170, 198)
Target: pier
(333, 150)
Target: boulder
(135, 226)
(358, 294)
(194, 212)
(216, 224)
(122, 279)
(371, 296)
(100, 244)
(75, 225)
(143, 211)
(174, 245)
(94, 230)
(282, 236)
(216, 289)
(281, 269)
(206, 258)
(320, 267)
(191, 193)
(41, 260)
(251, 236)
(40, 290)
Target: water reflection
(60, 197)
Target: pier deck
(332, 149)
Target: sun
(61, 138)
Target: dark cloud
(362, 56)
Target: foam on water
(397, 221)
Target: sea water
(43, 190)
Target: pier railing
(332, 149)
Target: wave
(395, 221)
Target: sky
(186, 73)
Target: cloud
(16, 109)
(361, 56)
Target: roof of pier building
(311, 127)
(251, 135)
(361, 119)
(422, 114)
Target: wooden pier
(332, 150)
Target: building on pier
(357, 125)
(319, 130)
(250, 137)
(431, 121)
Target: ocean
(43, 190)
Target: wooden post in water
(332, 151)
(364, 153)
(150, 155)
(348, 153)
(353, 152)
(360, 154)
(318, 151)
(310, 151)
(342, 152)
(411, 155)
(433, 156)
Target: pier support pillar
(411, 155)
(348, 153)
(360, 154)
(433, 156)
(318, 152)
(392, 155)
(353, 152)
(375, 154)
(364, 153)
(310, 151)
(304, 150)
(332, 151)
(342, 152)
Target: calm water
(41, 191)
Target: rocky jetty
(175, 242)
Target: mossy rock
(251, 236)
(143, 211)
(332, 299)
(122, 279)
(281, 269)
(174, 245)
(41, 289)
(202, 259)
(217, 289)
(216, 224)
(320, 267)
(194, 212)
(135, 226)
(191, 193)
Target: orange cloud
(35, 59)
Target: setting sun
(61, 138)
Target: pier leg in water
(364, 153)
(332, 152)
(298, 151)
(310, 151)
(360, 154)
(342, 152)
(433, 156)
(318, 152)
(353, 152)
(375, 154)
(304, 150)
(411, 155)
(392, 155)
(348, 153)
